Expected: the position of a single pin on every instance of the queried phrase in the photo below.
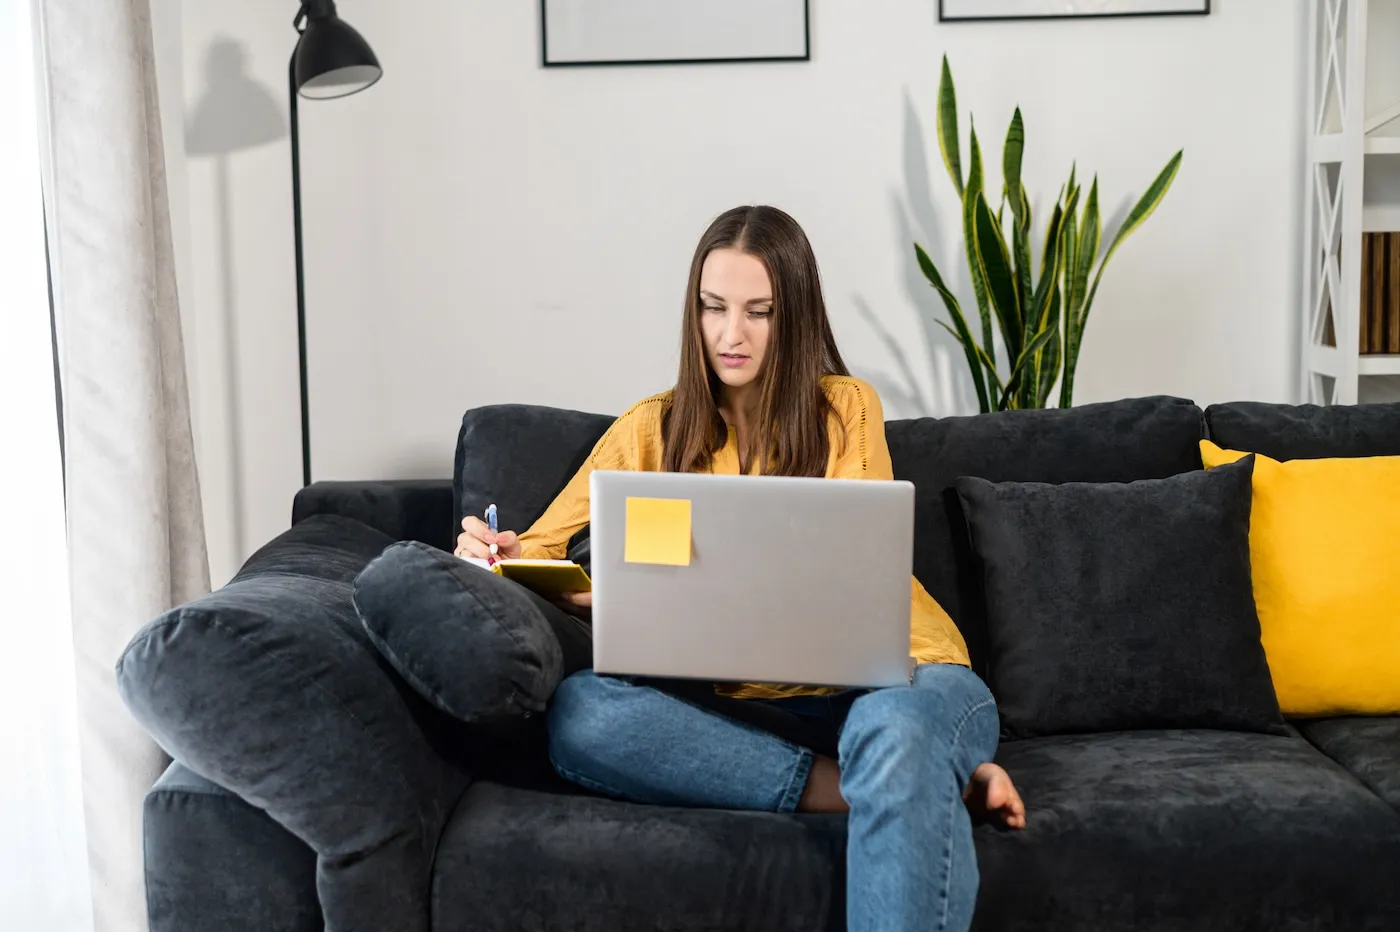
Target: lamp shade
(332, 59)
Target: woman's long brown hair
(790, 435)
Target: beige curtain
(136, 535)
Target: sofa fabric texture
(213, 861)
(477, 646)
(404, 509)
(1368, 747)
(1139, 590)
(1177, 830)
(493, 447)
(406, 818)
(1306, 432)
(271, 688)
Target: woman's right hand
(476, 540)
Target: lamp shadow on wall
(916, 220)
(234, 113)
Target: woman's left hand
(578, 604)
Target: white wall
(481, 230)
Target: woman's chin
(735, 378)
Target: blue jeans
(906, 754)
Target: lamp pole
(330, 60)
(301, 271)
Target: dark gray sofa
(313, 789)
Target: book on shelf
(1393, 308)
(1380, 293)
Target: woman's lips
(733, 361)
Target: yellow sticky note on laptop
(658, 531)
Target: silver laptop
(795, 581)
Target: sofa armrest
(405, 509)
(215, 862)
(271, 688)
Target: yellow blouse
(633, 442)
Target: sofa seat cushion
(1367, 747)
(515, 860)
(1158, 830)
(215, 862)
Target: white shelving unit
(1343, 142)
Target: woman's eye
(711, 309)
(757, 315)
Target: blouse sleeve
(548, 538)
(861, 451)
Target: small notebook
(546, 577)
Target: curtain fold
(135, 531)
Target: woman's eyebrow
(749, 303)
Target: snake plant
(1039, 317)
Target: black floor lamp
(331, 60)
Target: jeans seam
(589, 783)
(957, 798)
(798, 783)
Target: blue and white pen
(491, 523)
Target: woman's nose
(734, 328)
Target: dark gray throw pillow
(1115, 606)
(481, 648)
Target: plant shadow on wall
(233, 113)
(1031, 321)
(913, 210)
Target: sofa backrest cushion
(519, 456)
(1306, 432)
(1120, 441)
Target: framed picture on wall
(675, 32)
(954, 11)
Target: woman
(762, 390)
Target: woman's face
(736, 312)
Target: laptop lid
(795, 581)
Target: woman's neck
(739, 407)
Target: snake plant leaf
(996, 270)
(1021, 250)
(1025, 359)
(995, 376)
(1014, 190)
(1051, 264)
(1085, 252)
(1069, 234)
(971, 194)
(1137, 217)
(1048, 366)
(992, 372)
(948, 143)
(964, 335)
(1011, 155)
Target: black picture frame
(611, 63)
(943, 18)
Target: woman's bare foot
(990, 796)
(823, 790)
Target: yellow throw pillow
(1324, 542)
